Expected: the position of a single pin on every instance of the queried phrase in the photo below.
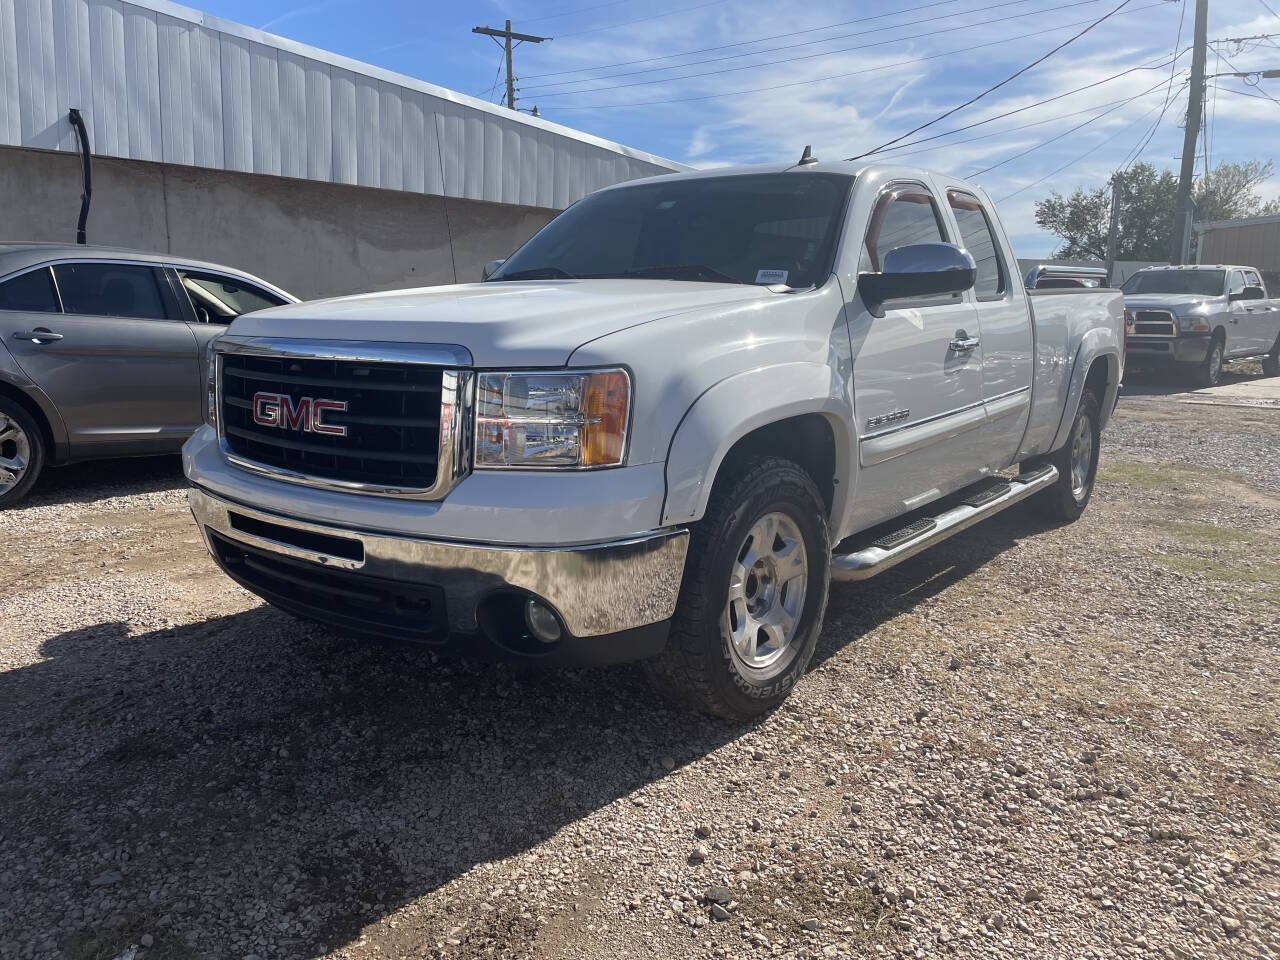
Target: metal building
(1254, 241)
(161, 84)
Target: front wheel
(754, 593)
(1209, 371)
(1077, 464)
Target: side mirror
(918, 270)
(490, 268)
(1249, 293)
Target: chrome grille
(1154, 323)
(394, 427)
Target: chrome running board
(895, 547)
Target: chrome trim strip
(939, 416)
(457, 394)
(865, 563)
(596, 588)
(359, 351)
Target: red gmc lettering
(305, 414)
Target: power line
(806, 43)
(570, 13)
(838, 76)
(1068, 132)
(1268, 8)
(1038, 103)
(1092, 150)
(740, 43)
(1242, 93)
(991, 89)
(1173, 70)
(656, 16)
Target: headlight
(1193, 324)
(211, 385)
(552, 419)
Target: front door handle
(963, 343)
(38, 335)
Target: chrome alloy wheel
(15, 453)
(1215, 362)
(1081, 457)
(766, 591)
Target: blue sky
(846, 78)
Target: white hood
(525, 323)
(1180, 303)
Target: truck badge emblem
(305, 414)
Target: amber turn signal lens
(604, 408)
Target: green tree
(1082, 219)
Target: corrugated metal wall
(160, 82)
(1254, 243)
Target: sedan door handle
(963, 343)
(38, 335)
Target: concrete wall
(313, 239)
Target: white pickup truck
(660, 428)
(1199, 316)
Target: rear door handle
(38, 335)
(963, 343)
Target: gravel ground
(1027, 742)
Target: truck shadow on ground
(1169, 381)
(251, 784)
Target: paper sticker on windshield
(771, 276)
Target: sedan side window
(31, 292)
(111, 290)
(217, 298)
(904, 216)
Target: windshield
(758, 228)
(1204, 283)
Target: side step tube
(871, 560)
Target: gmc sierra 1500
(660, 428)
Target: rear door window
(979, 239)
(219, 298)
(31, 292)
(111, 290)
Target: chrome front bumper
(597, 589)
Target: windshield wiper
(536, 273)
(683, 271)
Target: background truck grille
(392, 418)
(1154, 323)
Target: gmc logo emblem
(305, 414)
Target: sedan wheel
(15, 453)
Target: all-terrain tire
(1068, 497)
(1271, 362)
(700, 667)
(21, 441)
(1208, 373)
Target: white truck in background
(1197, 317)
(661, 428)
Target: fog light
(543, 624)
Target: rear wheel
(754, 593)
(21, 452)
(1271, 362)
(1077, 464)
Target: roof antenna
(807, 157)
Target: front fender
(733, 408)
(1098, 342)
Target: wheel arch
(54, 441)
(1097, 365)
(795, 411)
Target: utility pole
(507, 38)
(1117, 184)
(1183, 211)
